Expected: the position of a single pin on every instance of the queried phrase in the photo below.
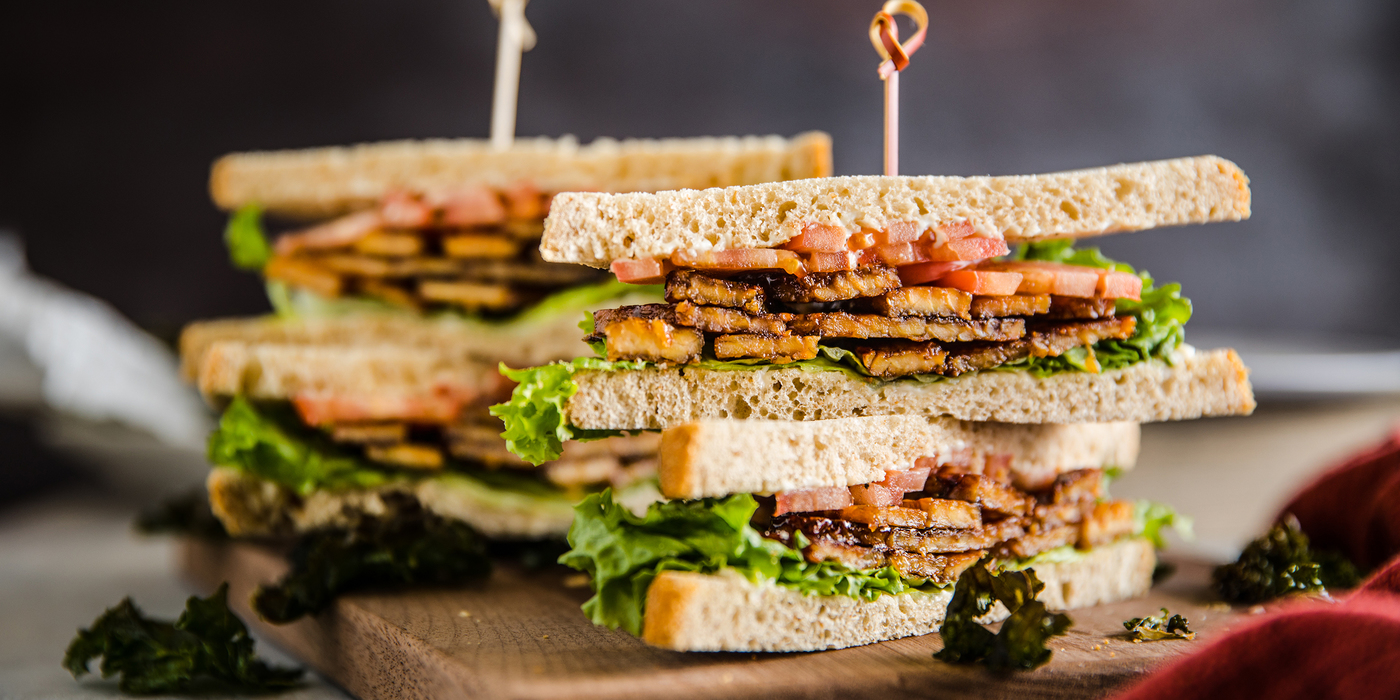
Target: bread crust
(726, 612)
(1214, 383)
(595, 229)
(715, 458)
(320, 182)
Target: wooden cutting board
(521, 635)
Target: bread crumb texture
(595, 229)
(319, 182)
(727, 612)
(1213, 383)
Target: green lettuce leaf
(278, 448)
(206, 646)
(244, 237)
(623, 552)
(582, 299)
(1149, 517)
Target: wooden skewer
(884, 34)
(516, 36)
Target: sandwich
(856, 296)
(366, 395)
(806, 535)
(449, 230)
(863, 390)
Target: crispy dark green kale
(1021, 641)
(1279, 563)
(1151, 629)
(207, 647)
(187, 514)
(410, 548)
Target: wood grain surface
(521, 634)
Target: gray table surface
(62, 562)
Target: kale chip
(409, 548)
(208, 646)
(188, 514)
(1279, 563)
(1021, 641)
(1151, 629)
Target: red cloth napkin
(1354, 508)
(1312, 649)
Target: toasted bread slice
(321, 182)
(721, 457)
(1214, 383)
(727, 612)
(596, 229)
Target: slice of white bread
(595, 229)
(727, 612)
(285, 370)
(328, 181)
(249, 506)
(522, 344)
(1213, 383)
(720, 457)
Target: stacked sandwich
(366, 395)
(863, 390)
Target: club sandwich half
(857, 296)
(809, 535)
(367, 394)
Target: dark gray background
(112, 112)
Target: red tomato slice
(818, 238)
(899, 254)
(831, 262)
(437, 408)
(472, 206)
(646, 271)
(969, 248)
(996, 284)
(1050, 277)
(877, 495)
(907, 480)
(822, 498)
(900, 232)
(333, 234)
(910, 275)
(1119, 285)
(740, 259)
(955, 231)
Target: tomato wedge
(910, 275)
(897, 254)
(997, 284)
(969, 248)
(1041, 277)
(646, 271)
(740, 259)
(818, 238)
(900, 232)
(333, 234)
(831, 262)
(1119, 285)
(821, 498)
(472, 206)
